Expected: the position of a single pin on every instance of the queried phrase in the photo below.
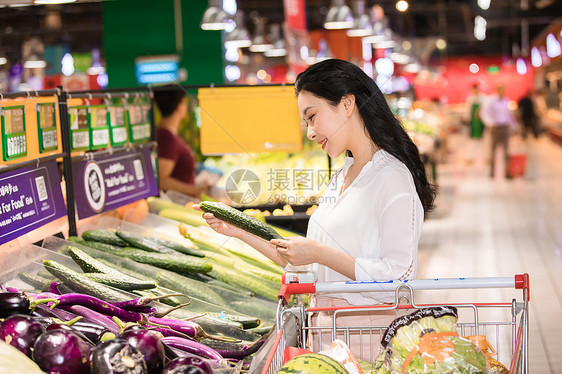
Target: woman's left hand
(298, 250)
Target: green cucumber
(96, 245)
(107, 275)
(142, 242)
(262, 329)
(88, 264)
(186, 286)
(247, 322)
(37, 281)
(80, 283)
(240, 220)
(152, 244)
(178, 263)
(177, 247)
(104, 236)
(125, 284)
(245, 281)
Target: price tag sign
(99, 128)
(78, 119)
(47, 127)
(139, 121)
(29, 198)
(14, 138)
(110, 181)
(118, 125)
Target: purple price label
(29, 198)
(112, 181)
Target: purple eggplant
(182, 365)
(17, 303)
(95, 317)
(183, 369)
(97, 305)
(149, 344)
(62, 326)
(44, 311)
(117, 357)
(62, 352)
(21, 331)
(191, 346)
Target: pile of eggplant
(76, 333)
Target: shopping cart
(504, 325)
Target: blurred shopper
(474, 104)
(369, 222)
(176, 160)
(501, 121)
(528, 115)
(541, 109)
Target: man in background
(499, 119)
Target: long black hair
(332, 79)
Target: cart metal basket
(505, 325)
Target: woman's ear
(348, 102)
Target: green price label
(47, 127)
(14, 138)
(78, 118)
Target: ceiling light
(339, 16)
(67, 63)
(536, 58)
(484, 4)
(278, 49)
(552, 46)
(232, 72)
(399, 57)
(260, 42)
(214, 17)
(240, 37)
(521, 66)
(412, 68)
(402, 5)
(384, 66)
(441, 44)
(229, 6)
(480, 28)
(384, 44)
(34, 62)
(362, 23)
(19, 5)
(474, 68)
(50, 2)
(406, 45)
(3, 60)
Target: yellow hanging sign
(249, 119)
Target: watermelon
(313, 363)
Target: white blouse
(378, 220)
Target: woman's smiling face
(325, 124)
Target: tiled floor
(486, 227)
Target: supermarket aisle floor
(496, 227)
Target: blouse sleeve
(397, 224)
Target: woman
(369, 222)
(176, 160)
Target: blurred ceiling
(79, 25)
(452, 20)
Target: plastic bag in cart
(426, 341)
